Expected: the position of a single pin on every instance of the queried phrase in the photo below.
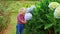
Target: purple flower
(28, 16)
(28, 10)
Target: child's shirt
(19, 18)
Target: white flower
(57, 12)
(53, 5)
(28, 16)
(28, 10)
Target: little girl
(20, 21)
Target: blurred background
(8, 14)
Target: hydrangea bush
(43, 20)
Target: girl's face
(23, 11)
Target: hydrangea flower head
(57, 12)
(53, 5)
(28, 10)
(28, 16)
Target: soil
(7, 31)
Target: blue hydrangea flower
(28, 10)
(28, 16)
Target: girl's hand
(25, 22)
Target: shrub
(43, 21)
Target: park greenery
(42, 22)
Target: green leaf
(48, 25)
(39, 26)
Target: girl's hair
(22, 9)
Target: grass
(13, 22)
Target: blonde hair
(22, 9)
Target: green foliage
(43, 19)
(4, 16)
(14, 6)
